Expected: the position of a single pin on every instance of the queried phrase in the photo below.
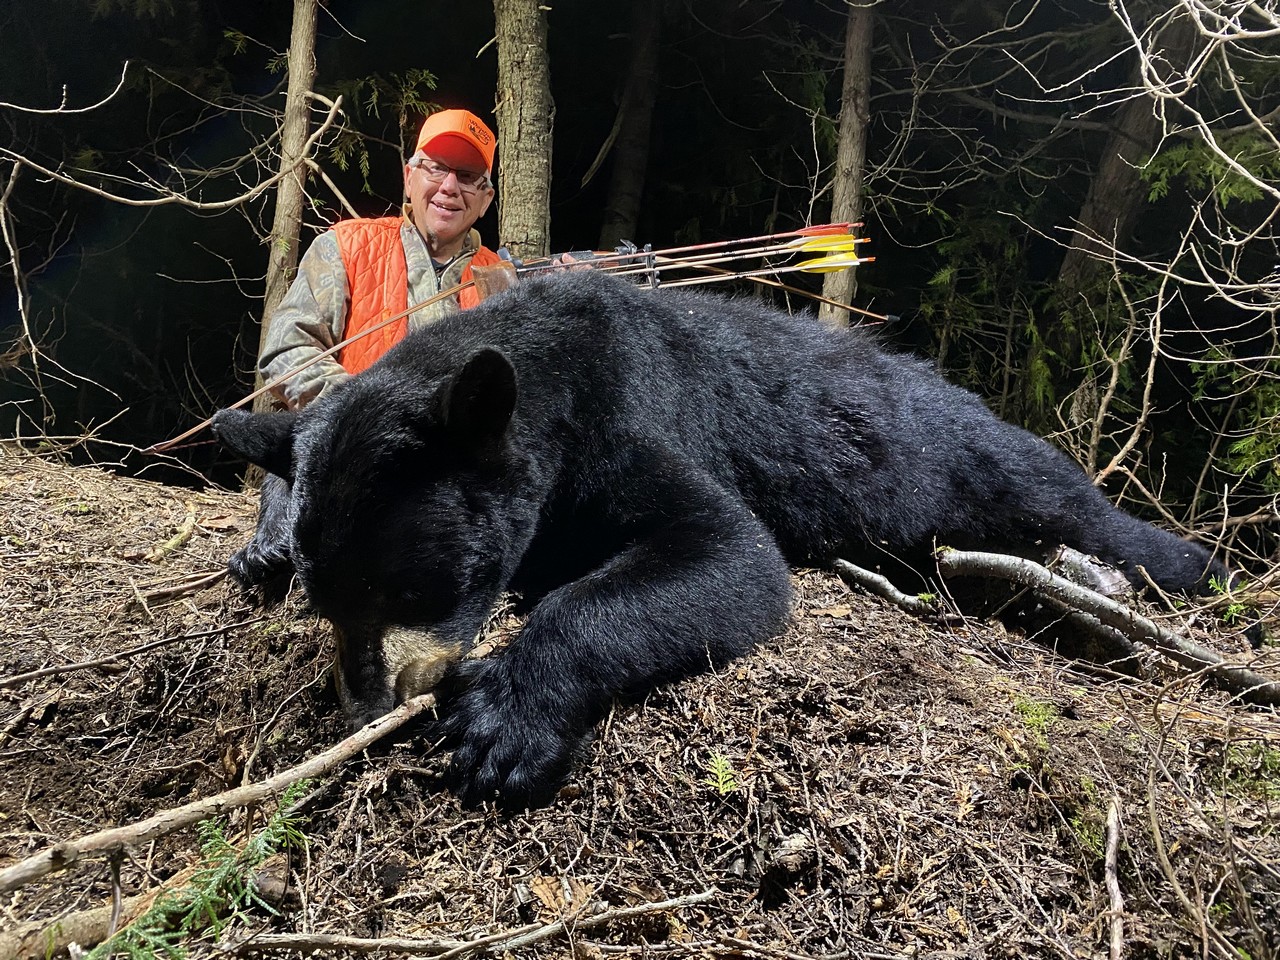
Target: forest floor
(870, 784)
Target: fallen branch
(62, 855)
(1089, 572)
(1121, 646)
(177, 540)
(188, 585)
(1113, 880)
(880, 586)
(1230, 676)
(39, 939)
(502, 942)
(20, 678)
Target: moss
(1253, 770)
(1037, 716)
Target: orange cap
(458, 138)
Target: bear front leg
(266, 556)
(697, 590)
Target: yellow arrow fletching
(841, 242)
(828, 264)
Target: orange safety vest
(378, 284)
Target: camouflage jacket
(313, 314)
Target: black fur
(646, 464)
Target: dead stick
(881, 587)
(177, 540)
(1230, 676)
(39, 939)
(20, 678)
(62, 855)
(504, 941)
(1113, 880)
(186, 586)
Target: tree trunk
(635, 116)
(282, 258)
(525, 114)
(1116, 198)
(851, 152)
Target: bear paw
(508, 744)
(261, 564)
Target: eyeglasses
(468, 180)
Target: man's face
(447, 200)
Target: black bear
(642, 466)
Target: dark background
(148, 316)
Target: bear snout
(417, 659)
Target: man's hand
(570, 261)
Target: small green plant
(720, 775)
(1234, 609)
(1254, 770)
(1087, 821)
(1037, 716)
(220, 889)
(1087, 826)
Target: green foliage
(1255, 451)
(220, 889)
(983, 309)
(1087, 820)
(1253, 770)
(1087, 826)
(1205, 169)
(813, 77)
(1235, 609)
(720, 775)
(1037, 716)
(403, 95)
(239, 41)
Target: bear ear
(262, 438)
(477, 403)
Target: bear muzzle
(394, 664)
(417, 659)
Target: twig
(504, 941)
(20, 678)
(1207, 930)
(169, 196)
(1230, 676)
(187, 585)
(881, 587)
(62, 855)
(749, 947)
(1113, 880)
(38, 939)
(177, 540)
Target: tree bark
(286, 227)
(1116, 198)
(635, 120)
(851, 151)
(1114, 201)
(525, 114)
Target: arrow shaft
(624, 265)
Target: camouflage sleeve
(309, 320)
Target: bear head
(407, 515)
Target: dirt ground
(871, 784)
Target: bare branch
(64, 854)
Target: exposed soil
(867, 784)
